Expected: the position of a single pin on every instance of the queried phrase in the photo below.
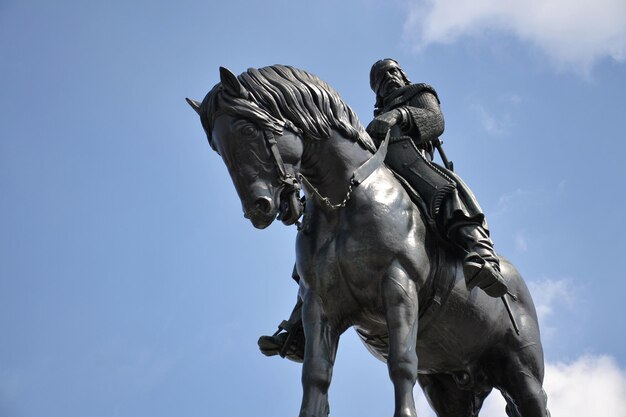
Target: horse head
(261, 154)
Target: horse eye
(248, 130)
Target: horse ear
(231, 83)
(194, 105)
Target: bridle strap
(284, 177)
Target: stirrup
(284, 342)
(284, 325)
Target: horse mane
(282, 96)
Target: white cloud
(524, 199)
(589, 386)
(547, 294)
(521, 243)
(493, 125)
(512, 98)
(573, 33)
(513, 199)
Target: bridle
(287, 179)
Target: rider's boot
(288, 341)
(481, 265)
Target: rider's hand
(378, 127)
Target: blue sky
(131, 284)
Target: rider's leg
(481, 265)
(463, 222)
(288, 341)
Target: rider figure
(412, 113)
(412, 110)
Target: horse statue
(365, 256)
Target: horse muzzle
(262, 214)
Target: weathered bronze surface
(377, 250)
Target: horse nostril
(264, 205)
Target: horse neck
(329, 164)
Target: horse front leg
(319, 357)
(401, 310)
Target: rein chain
(326, 200)
(358, 176)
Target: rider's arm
(422, 118)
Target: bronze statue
(368, 254)
(412, 113)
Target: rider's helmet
(380, 68)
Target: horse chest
(342, 268)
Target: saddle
(427, 183)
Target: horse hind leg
(401, 311)
(447, 399)
(528, 400)
(521, 384)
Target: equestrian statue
(388, 241)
